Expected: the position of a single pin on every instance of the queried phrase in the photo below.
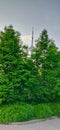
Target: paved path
(50, 124)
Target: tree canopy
(28, 79)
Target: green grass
(23, 112)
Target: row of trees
(28, 79)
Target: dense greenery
(23, 112)
(26, 80)
(47, 61)
(12, 62)
(29, 79)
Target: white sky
(23, 14)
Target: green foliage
(33, 80)
(47, 61)
(16, 113)
(12, 61)
(56, 108)
(28, 79)
(19, 112)
(47, 110)
(43, 111)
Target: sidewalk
(50, 124)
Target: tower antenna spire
(32, 40)
(32, 36)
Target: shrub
(23, 112)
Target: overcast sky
(23, 14)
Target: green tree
(12, 60)
(46, 59)
(50, 70)
(31, 89)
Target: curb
(32, 121)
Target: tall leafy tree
(12, 60)
(50, 69)
(46, 60)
